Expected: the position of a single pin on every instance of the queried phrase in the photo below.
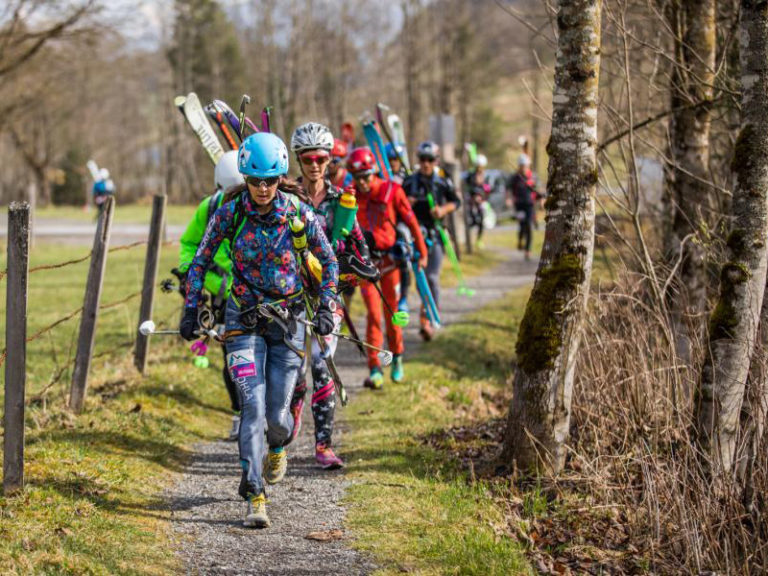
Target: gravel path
(207, 512)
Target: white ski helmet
(482, 161)
(226, 173)
(311, 136)
(104, 174)
(523, 160)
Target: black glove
(189, 324)
(324, 323)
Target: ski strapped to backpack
(299, 237)
(376, 144)
(389, 133)
(463, 289)
(196, 117)
(218, 117)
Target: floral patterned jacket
(265, 264)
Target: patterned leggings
(324, 391)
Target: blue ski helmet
(263, 155)
(394, 151)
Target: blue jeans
(264, 369)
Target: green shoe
(256, 513)
(398, 374)
(277, 464)
(376, 379)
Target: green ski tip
(401, 319)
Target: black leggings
(524, 234)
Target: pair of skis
(232, 127)
(393, 130)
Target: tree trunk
(692, 196)
(550, 331)
(409, 7)
(734, 322)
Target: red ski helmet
(361, 162)
(339, 149)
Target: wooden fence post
(150, 278)
(16, 346)
(91, 306)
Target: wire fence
(123, 346)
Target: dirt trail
(207, 512)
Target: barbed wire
(72, 262)
(69, 316)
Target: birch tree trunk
(734, 322)
(539, 415)
(692, 90)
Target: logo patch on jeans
(241, 364)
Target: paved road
(207, 512)
(74, 232)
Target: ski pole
(463, 289)
(352, 329)
(147, 328)
(384, 355)
(399, 318)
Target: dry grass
(632, 422)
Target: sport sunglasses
(309, 159)
(259, 182)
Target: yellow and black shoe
(276, 465)
(256, 513)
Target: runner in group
(524, 195)
(262, 357)
(380, 204)
(419, 187)
(394, 153)
(313, 143)
(337, 173)
(218, 277)
(477, 191)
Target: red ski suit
(378, 213)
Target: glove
(324, 323)
(189, 324)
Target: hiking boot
(297, 406)
(426, 332)
(325, 457)
(398, 374)
(375, 380)
(256, 513)
(277, 464)
(235, 431)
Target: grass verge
(411, 506)
(91, 503)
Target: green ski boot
(398, 374)
(375, 380)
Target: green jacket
(190, 240)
